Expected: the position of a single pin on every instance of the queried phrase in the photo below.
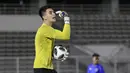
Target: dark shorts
(44, 70)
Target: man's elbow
(66, 38)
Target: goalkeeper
(45, 37)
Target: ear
(44, 17)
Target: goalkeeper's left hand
(65, 56)
(64, 14)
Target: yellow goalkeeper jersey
(44, 42)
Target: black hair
(95, 55)
(43, 9)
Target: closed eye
(50, 12)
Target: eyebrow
(51, 11)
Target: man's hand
(64, 14)
(65, 56)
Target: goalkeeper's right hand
(63, 14)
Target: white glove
(63, 14)
(67, 20)
(65, 57)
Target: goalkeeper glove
(65, 56)
(63, 14)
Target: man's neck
(47, 23)
(95, 64)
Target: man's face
(49, 15)
(95, 60)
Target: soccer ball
(59, 52)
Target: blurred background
(98, 26)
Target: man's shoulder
(90, 65)
(45, 28)
(99, 65)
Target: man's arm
(56, 34)
(102, 69)
(64, 35)
(87, 70)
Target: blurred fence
(11, 9)
(28, 9)
(71, 65)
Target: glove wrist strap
(67, 20)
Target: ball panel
(55, 51)
(62, 48)
(61, 56)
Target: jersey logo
(90, 68)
